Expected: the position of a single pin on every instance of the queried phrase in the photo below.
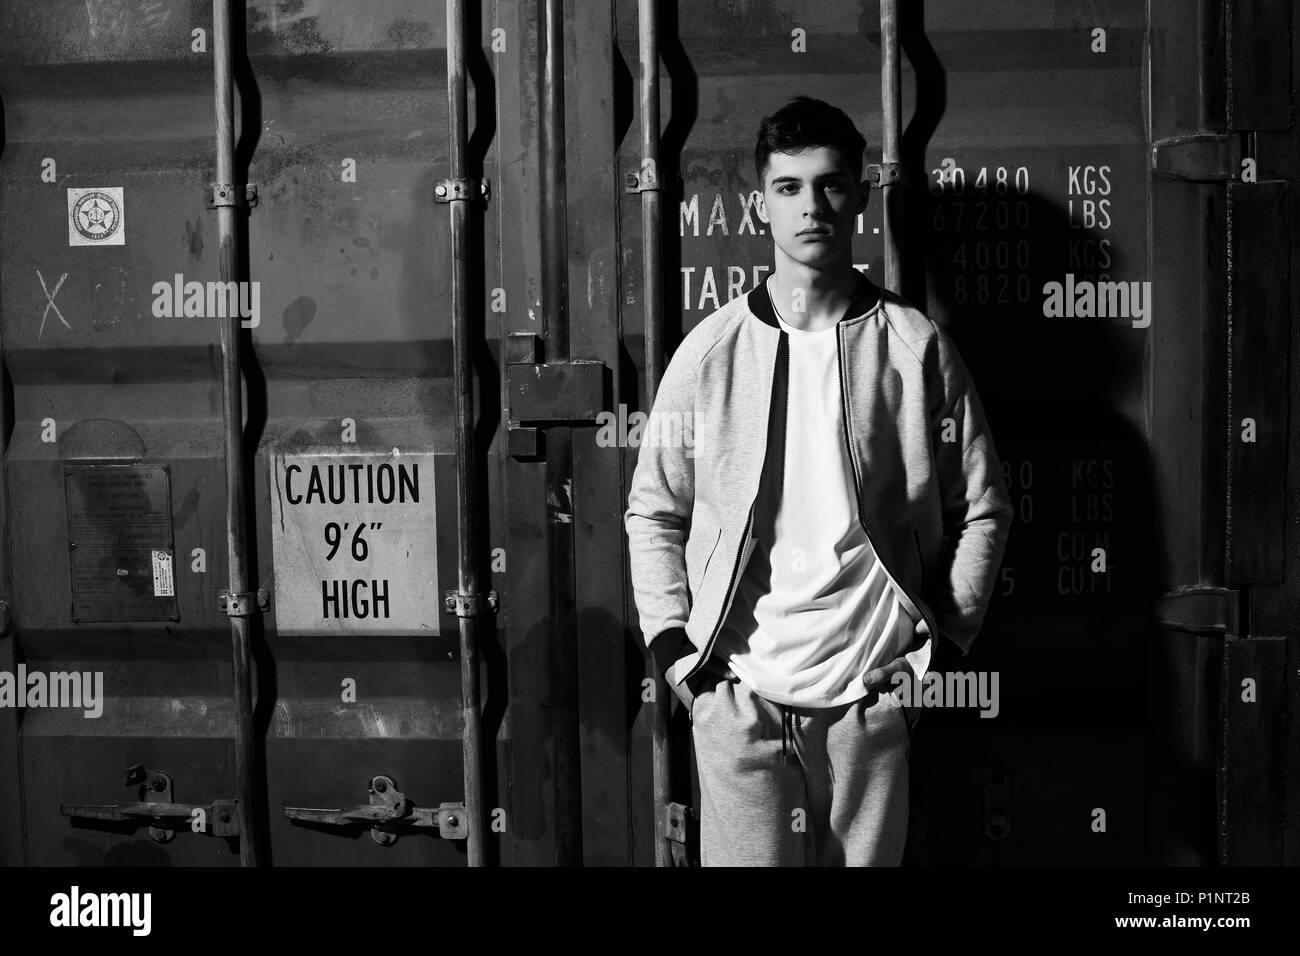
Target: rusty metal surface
(354, 326)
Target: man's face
(811, 199)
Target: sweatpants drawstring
(787, 730)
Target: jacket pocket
(911, 715)
(694, 581)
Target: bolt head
(381, 786)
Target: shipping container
(372, 606)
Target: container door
(1089, 291)
(114, 467)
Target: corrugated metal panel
(1029, 137)
(352, 352)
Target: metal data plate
(355, 543)
(120, 543)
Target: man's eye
(788, 190)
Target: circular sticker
(96, 215)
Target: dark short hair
(805, 123)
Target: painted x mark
(49, 302)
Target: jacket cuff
(666, 648)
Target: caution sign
(355, 543)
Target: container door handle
(388, 812)
(157, 808)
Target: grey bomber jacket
(930, 490)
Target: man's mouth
(815, 233)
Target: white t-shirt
(814, 609)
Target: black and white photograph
(639, 435)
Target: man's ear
(762, 208)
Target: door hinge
(1199, 610)
(1200, 158)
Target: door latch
(388, 812)
(156, 807)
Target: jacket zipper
(785, 417)
(857, 490)
(744, 534)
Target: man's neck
(812, 299)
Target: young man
(834, 505)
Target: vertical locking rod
(246, 790)
(652, 300)
(891, 134)
(560, 480)
(467, 575)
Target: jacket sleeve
(976, 506)
(661, 501)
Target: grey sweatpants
(794, 786)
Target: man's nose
(814, 204)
